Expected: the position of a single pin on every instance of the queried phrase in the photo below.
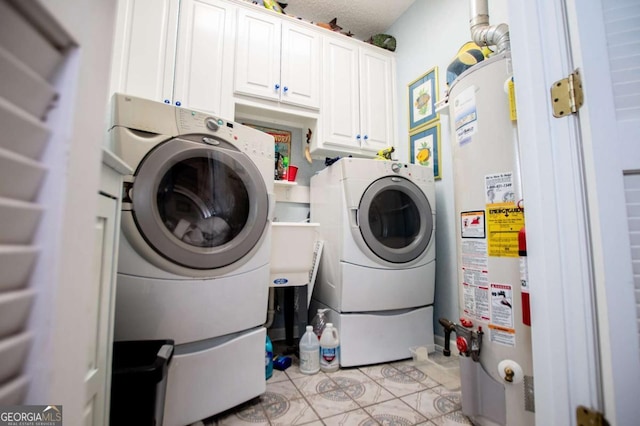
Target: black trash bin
(139, 381)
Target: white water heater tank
(493, 293)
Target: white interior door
(584, 319)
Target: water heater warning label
(501, 324)
(472, 224)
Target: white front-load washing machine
(194, 255)
(377, 270)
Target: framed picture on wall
(423, 96)
(424, 148)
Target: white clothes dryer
(377, 270)
(194, 250)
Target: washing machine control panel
(213, 124)
(198, 122)
(248, 140)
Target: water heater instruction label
(475, 284)
(476, 298)
(499, 187)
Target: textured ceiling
(363, 18)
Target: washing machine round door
(198, 205)
(395, 219)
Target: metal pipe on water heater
(484, 34)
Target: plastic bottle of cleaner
(319, 322)
(309, 352)
(268, 359)
(330, 349)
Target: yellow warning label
(504, 222)
(513, 114)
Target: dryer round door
(200, 206)
(395, 219)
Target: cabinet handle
(178, 103)
(285, 89)
(277, 87)
(357, 137)
(366, 137)
(167, 101)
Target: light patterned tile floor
(395, 394)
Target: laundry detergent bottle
(268, 359)
(330, 349)
(309, 352)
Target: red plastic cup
(291, 174)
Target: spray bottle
(318, 322)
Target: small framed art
(423, 96)
(424, 148)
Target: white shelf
(291, 192)
(284, 183)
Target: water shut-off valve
(468, 341)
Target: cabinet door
(258, 55)
(144, 48)
(99, 316)
(340, 101)
(376, 100)
(203, 59)
(300, 66)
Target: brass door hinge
(589, 417)
(566, 95)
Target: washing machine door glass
(198, 205)
(395, 219)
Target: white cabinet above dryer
(277, 59)
(176, 51)
(358, 106)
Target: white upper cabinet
(277, 59)
(177, 52)
(203, 72)
(358, 108)
(377, 100)
(144, 51)
(300, 66)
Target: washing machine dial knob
(212, 124)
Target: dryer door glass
(395, 219)
(200, 206)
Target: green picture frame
(424, 148)
(423, 96)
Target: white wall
(429, 34)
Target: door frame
(576, 241)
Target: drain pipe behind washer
(484, 34)
(271, 311)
